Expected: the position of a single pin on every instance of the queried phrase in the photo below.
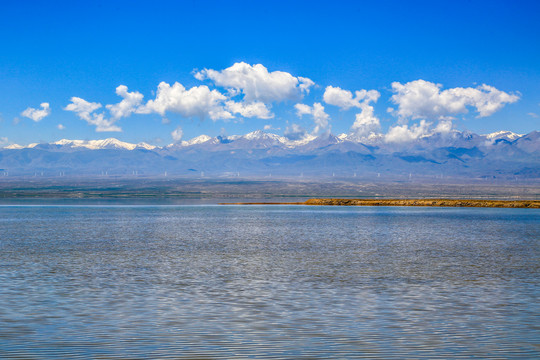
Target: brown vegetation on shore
(533, 204)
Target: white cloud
(60, 127)
(345, 100)
(489, 100)
(3, 141)
(366, 123)
(177, 134)
(198, 101)
(319, 116)
(86, 111)
(83, 108)
(444, 126)
(257, 83)
(422, 99)
(103, 125)
(304, 83)
(534, 115)
(37, 114)
(295, 132)
(271, 127)
(129, 104)
(249, 110)
(403, 133)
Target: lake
(275, 282)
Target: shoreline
(522, 204)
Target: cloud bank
(422, 99)
(253, 92)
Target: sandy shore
(532, 204)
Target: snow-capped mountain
(507, 135)
(110, 143)
(456, 154)
(201, 139)
(261, 139)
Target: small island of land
(531, 204)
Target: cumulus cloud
(86, 111)
(177, 134)
(345, 100)
(295, 132)
(199, 101)
(129, 104)
(37, 114)
(257, 83)
(3, 141)
(444, 126)
(255, 109)
(404, 133)
(60, 127)
(366, 123)
(534, 115)
(422, 99)
(319, 116)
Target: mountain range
(503, 155)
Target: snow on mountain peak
(146, 146)
(257, 134)
(196, 140)
(508, 135)
(264, 136)
(110, 143)
(261, 139)
(14, 147)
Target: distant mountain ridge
(256, 138)
(503, 155)
(110, 143)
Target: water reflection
(280, 282)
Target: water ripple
(210, 282)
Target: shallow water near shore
(203, 281)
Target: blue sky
(54, 51)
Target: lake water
(283, 282)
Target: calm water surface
(268, 282)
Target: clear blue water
(291, 282)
